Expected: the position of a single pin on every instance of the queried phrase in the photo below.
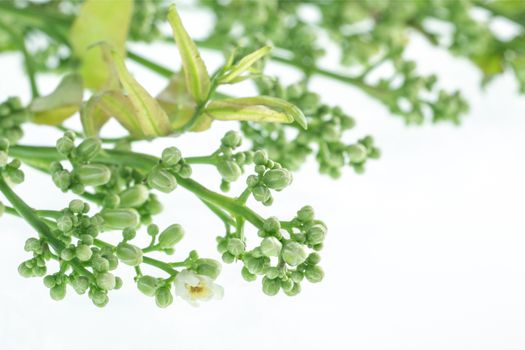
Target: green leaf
(197, 78)
(141, 114)
(61, 104)
(99, 21)
(93, 116)
(233, 74)
(258, 109)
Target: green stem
(201, 160)
(157, 68)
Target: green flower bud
(25, 271)
(171, 156)
(67, 254)
(106, 280)
(100, 264)
(229, 170)
(147, 285)
(162, 180)
(49, 281)
(313, 259)
(293, 253)
(58, 292)
(65, 145)
(306, 214)
(99, 298)
(272, 272)
(272, 224)
(277, 179)
(93, 174)
(16, 176)
(118, 282)
(271, 246)
(4, 144)
(260, 157)
(287, 285)
(154, 206)
(76, 206)
(208, 267)
(228, 258)
(129, 254)
(163, 297)
(120, 218)
(88, 149)
(261, 193)
(235, 246)
(32, 245)
(271, 287)
(256, 265)
(357, 153)
(80, 284)
(185, 171)
(247, 275)
(172, 235)
(316, 234)
(296, 289)
(65, 223)
(113, 261)
(314, 274)
(62, 179)
(83, 252)
(134, 197)
(231, 139)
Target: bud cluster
(10, 169)
(231, 164)
(12, 116)
(270, 176)
(163, 176)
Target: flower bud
(235, 246)
(80, 284)
(163, 297)
(296, 289)
(228, 258)
(314, 274)
(100, 264)
(316, 234)
(58, 292)
(162, 180)
(313, 259)
(271, 246)
(293, 253)
(261, 193)
(88, 149)
(255, 265)
(306, 214)
(260, 157)
(172, 235)
(134, 197)
(272, 224)
(272, 272)
(271, 287)
(171, 156)
(65, 223)
(76, 206)
(32, 245)
(120, 218)
(49, 281)
(229, 170)
(4, 159)
(65, 145)
(99, 298)
(62, 179)
(357, 153)
(247, 275)
(25, 271)
(93, 174)
(231, 139)
(67, 254)
(147, 285)
(129, 254)
(83, 252)
(277, 179)
(208, 267)
(106, 281)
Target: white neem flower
(193, 288)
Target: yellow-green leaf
(197, 78)
(61, 104)
(149, 118)
(258, 109)
(233, 74)
(99, 21)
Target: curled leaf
(99, 21)
(234, 73)
(258, 109)
(61, 104)
(196, 74)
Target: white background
(425, 250)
